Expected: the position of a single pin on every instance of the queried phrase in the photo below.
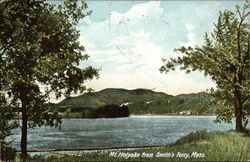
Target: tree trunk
(1, 152)
(24, 131)
(238, 113)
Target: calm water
(132, 131)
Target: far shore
(176, 114)
(163, 114)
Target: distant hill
(85, 100)
(141, 101)
(113, 96)
(119, 96)
(192, 95)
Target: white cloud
(130, 46)
(190, 27)
(191, 36)
(98, 52)
(139, 12)
(138, 48)
(173, 83)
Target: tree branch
(3, 51)
(242, 19)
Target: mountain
(113, 96)
(140, 101)
(119, 96)
(85, 100)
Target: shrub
(6, 152)
(110, 111)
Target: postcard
(124, 80)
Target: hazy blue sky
(128, 39)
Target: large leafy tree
(39, 47)
(224, 57)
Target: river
(136, 130)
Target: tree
(39, 47)
(224, 57)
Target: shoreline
(164, 114)
(176, 114)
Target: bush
(6, 125)
(6, 152)
(110, 111)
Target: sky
(128, 39)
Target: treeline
(196, 106)
(138, 101)
(110, 111)
(107, 111)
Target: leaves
(6, 115)
(224, 57)
(39, 46)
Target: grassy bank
(198, 146)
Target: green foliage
(67, 112)
(216, 146)
(199, 106)
(225, 58)
(194, 137)
(7, 153)
(6, 115)
(113, 96)
(110, 111)
(39, 47)
(6, 125)
(107, 111)
(86, 100)
(140, 101)
(118, 96)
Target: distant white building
(185, 113)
